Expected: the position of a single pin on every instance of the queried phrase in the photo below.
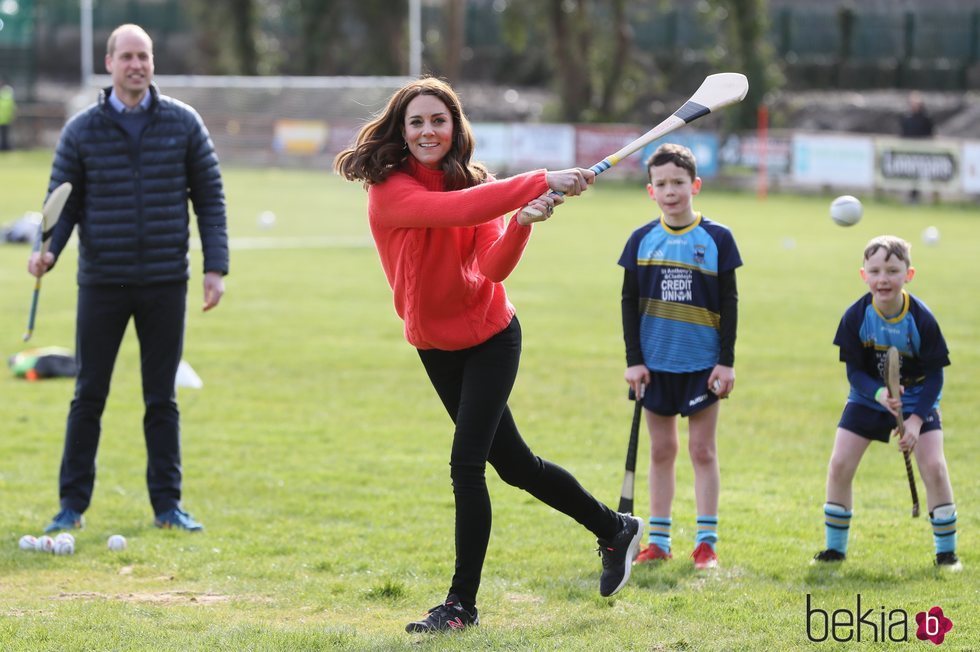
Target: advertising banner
(833, 160)
(925, 165)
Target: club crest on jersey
(699, 251)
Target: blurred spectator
(8, 109)
(916, 123)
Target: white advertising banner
(535, 146)
(833, 160)
(971, 167)
(492, 145)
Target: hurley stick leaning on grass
(439, 221)
(888, 316)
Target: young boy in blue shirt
(889, 316)
(680, 313)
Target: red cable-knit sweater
(446, 253)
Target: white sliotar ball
(930, 236)
(44, 544)
(65, 536)
(117, 542)
(846, 210)
(64, 547)
(28, 542)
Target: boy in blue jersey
(889, 316)
(680, 312)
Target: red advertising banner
(595, 142)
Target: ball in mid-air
(846, 210)
(28, 542)
(930, 236)
(117, 542)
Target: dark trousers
(4, 138)
(474, 385)
(103, 314)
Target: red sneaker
(652, 552)
(704, 556)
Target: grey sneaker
(66, 519)
(178, 519)
(618, 554)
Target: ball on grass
(117, 542)
(930, 236)
(846, 210)
(44, 544)
(28, 542)
(64, 547)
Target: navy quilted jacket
(129, 199)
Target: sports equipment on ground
(66, 519)
(930, 236)
(892, 367)
(618, 554)
(64, 547)
(846, 210)
(704, 556)
(715, 92)
(629, 479)
(44, 544)
(652, 553)
(49, 217)
(829, 555)
(117, 543)
(178, 519)
(28, 542)
(65, 536)
(446, 616)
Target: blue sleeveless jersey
(677, 271)
(864, 335)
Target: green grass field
(317, 453)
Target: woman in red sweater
(438, 221)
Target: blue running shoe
(66, 519)
(178, 519)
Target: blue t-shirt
(864, 336)
(677, 272)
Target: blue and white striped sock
(944, 527)
(837, 522)
(659, 533)
(707, 531)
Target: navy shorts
(684, 393)
(877, 425)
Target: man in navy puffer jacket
(134, 160)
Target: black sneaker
(829, 555)
(618, 554)
(948, 561)
(446, 616)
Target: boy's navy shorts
(684, 393)
(877, 425)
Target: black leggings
(474, 385)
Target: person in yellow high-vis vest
(8, 109)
